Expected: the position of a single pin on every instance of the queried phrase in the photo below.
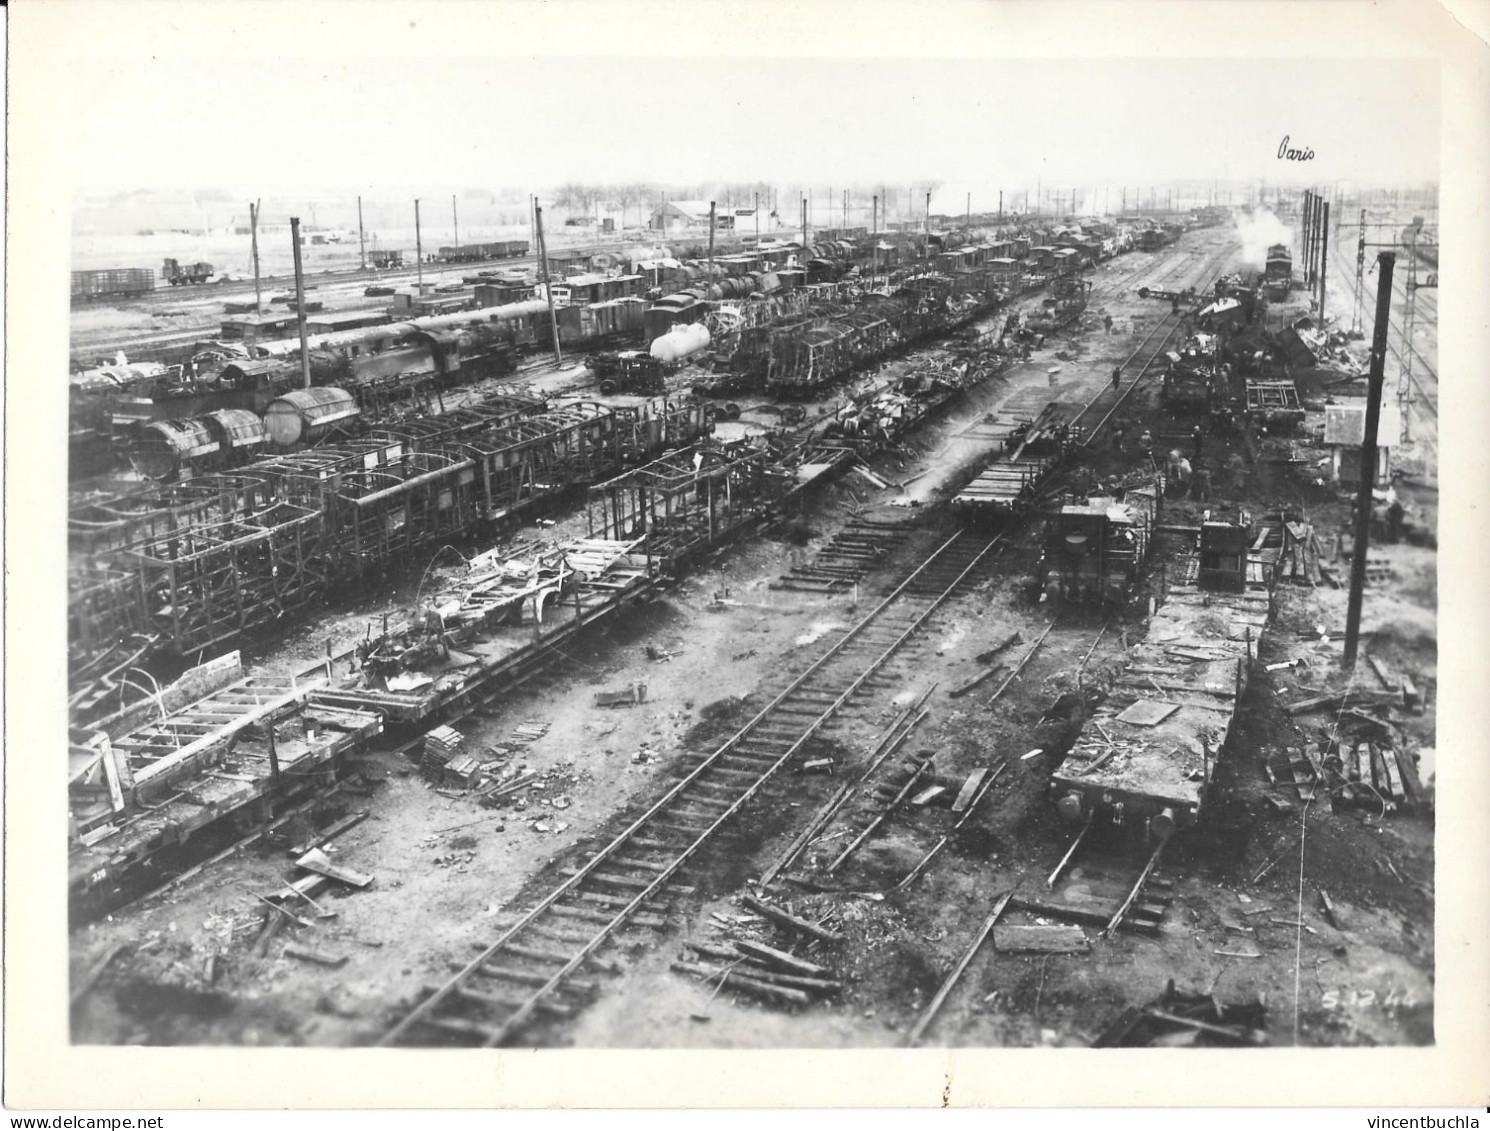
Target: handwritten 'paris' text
(1287, 153)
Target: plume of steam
(1259, 232)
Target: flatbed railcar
(1010, 486)
(1151, 764)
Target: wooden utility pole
(1324, 257)
(548, 290)
(300, 304)
(874, 242)
(1386, 261)
(253, 228)
(455, 217)
(757, 218)
(804, 231)
(361, 239)
(711, 243)
(418, 252)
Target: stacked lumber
(441, 745)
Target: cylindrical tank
(236, 428)
(306, 415)
(163, 447)
(680, 342)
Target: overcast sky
(243, 123)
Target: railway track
(530, 969)
(1429, 398)
(1109, 400)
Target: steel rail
(1215, 272)
(525, 1011)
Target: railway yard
(920, 641)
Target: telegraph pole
(455, 216)
(418, 251)
(548, 290)
(874, 242)
(1324, 257)
(361, 239)
(711, 243)
(253, 227)
(1386, 261)
(300, 304)
(1360, 275)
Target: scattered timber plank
(969, 788)
(1040, 940)
(317, 861)
(1084, 915)
(929, 794)
(786, 919)
(331, 833)
(1394, 776)
(987, 655)
(320, 958)
(779, 959)
(1311, 704)
(1409, 771)
(736, 980)
(1148, 712)
(1384, 673)
(1237, 1033)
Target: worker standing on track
(1196, 439)
(1117, 375)
(1146, 444)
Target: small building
(694, 215)
(337, 321)
(385, 259)
(1345, 428)
(257, 327)
(501, 292)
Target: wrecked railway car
(1148, 755)
(1095, 549)
(230, 554)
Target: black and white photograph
(765, 547)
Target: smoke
(1259, 232)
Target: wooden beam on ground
(317, 861)
(745, 982)
(786, 919)
(779, 959)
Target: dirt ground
(448, 873)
